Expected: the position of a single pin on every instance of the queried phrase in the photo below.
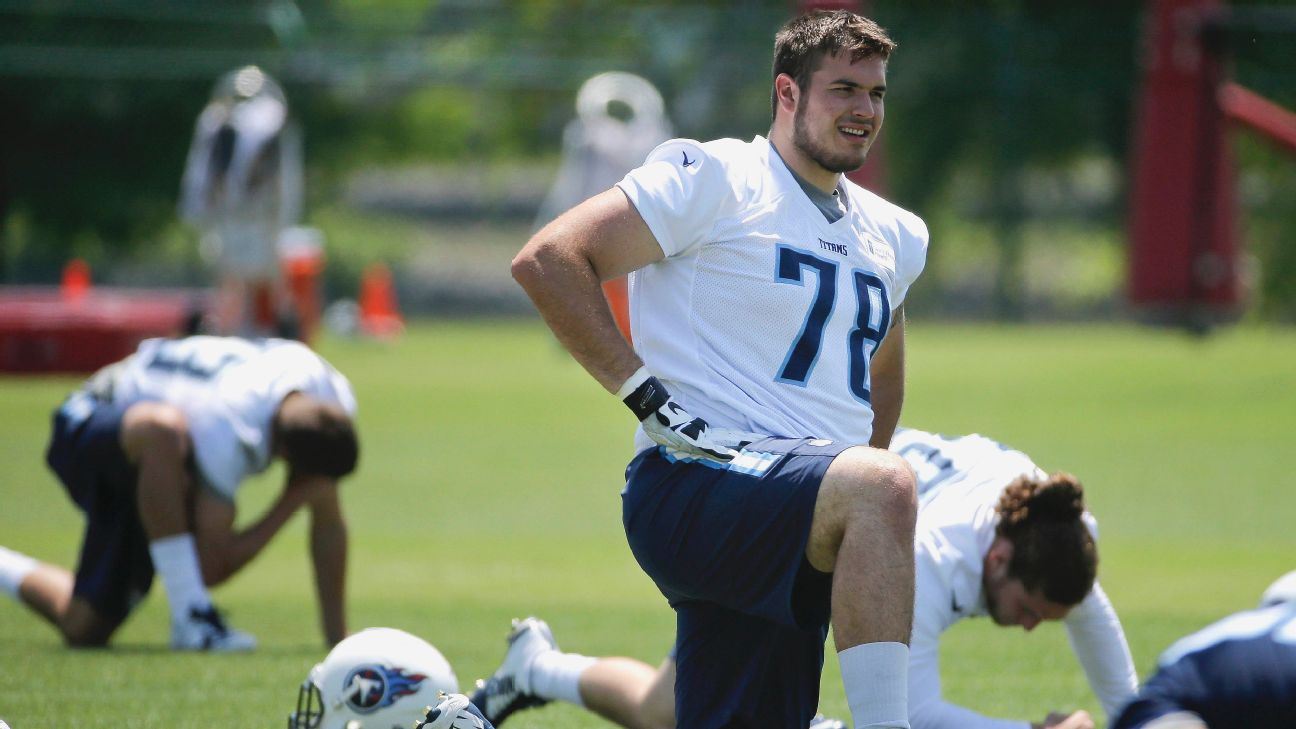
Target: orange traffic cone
(379, 316)
(76, 279)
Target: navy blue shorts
(115, 569)
(726, 545)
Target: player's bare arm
(328, 550)
(563, 266)
(562, 269)
(886, 376)
(223, 551)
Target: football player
(766, 295)
(996, 537)
(153, 449)
(1238, 673)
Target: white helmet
(379, 678)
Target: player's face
(840, 115)
(1011, 604)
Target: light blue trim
(750, 463)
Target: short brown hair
(319, 439)
(802, 43)
(1053, 550)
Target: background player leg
(630, 693)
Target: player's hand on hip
(667, 422)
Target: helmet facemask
(310, 706)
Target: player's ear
(785, 89)
(1000, 554)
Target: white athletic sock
(556, 675)
(14, 568)
(876, 676)
(176, 559)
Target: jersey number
(872, 317)
(191, 362)
(931, 467)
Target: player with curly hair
(996, 536)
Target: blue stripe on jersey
(751, 463)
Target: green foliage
(488, 489)
(987, 99)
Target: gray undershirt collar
(832, 205)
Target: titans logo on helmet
(372, 687)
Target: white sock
(556, 675)
(14, 568)
(176, 559)
(876, 676)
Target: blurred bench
(53, 330)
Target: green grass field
(488, 489)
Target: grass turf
(488, 489)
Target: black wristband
(647, 398)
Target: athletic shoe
(821, 722)
(454, 712)
(509, 688)
(205, 630)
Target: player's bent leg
(84, 627)
(658, 707)
(863, 532)
(47, 590)
(630, 693)
(155, 438)
(740, 670)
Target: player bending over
(153, 449)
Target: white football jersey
(229, 389)
(960, 481)
(763, 316)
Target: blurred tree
(997, 89)
(100, 98)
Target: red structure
(77, 328)
(1184, 239)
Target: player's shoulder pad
(901, 220)
(694, 156)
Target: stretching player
(153, 449)
(996, 536)
(765, 296)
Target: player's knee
(882, 485)
(84, 630)
(74, 640)
(898, 489)
(156, 429)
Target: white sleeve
(218, 455)
(1099, 643)
(927, 710)
(680, 192)
(912, 256)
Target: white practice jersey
(763, 316)
(960, 481)
(229, 390)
